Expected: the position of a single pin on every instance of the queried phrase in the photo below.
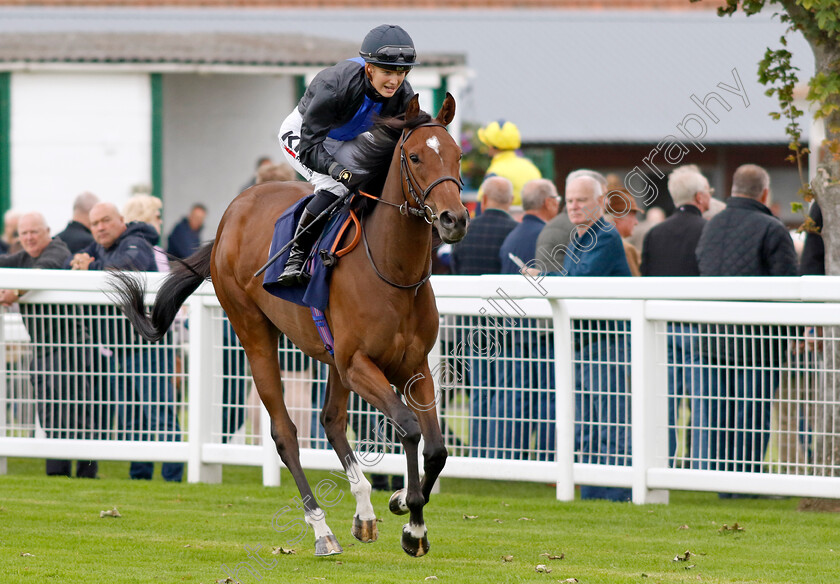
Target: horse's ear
(447, 110)
(413, 109)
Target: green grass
(184, 533)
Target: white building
(183, 115)
(598, 88)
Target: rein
(415, 286)
(422, 210)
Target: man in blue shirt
(602, 399)
(528, 404)
(596, 250)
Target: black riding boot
(294, 272)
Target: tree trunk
(826, 184)
(826, 187)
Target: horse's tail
(186, 276)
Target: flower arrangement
(475, 159)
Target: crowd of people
(586, 231)
(92, 376)
(729, 385)
(522, 225)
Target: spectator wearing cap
(503, 140)
(622, 209)
(745, 239)
(668, 250)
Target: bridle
(410, 184)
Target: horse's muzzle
(451, 227)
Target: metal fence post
(200, 383)
(435, 365)
(4, 387)
(564, 407)
(271, 459)
(649, 403)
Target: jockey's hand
(341, 174)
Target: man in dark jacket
(57, 337)
(812, 262)
(478, 252)
(185, 237)
(484, 339)
(745, 239)
(77, 234)
(147, 392)
(669, 250)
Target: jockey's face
(384, 81)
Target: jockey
(320, 138)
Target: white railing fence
(717, 384)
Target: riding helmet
(388, 46)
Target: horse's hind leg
(334, 420)
(260, 340)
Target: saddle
(322, 259)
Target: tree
(819, 23)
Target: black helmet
(389, 46)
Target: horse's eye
(414, 158)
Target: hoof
(413, 543)
(327, 545)
(365, 530)
(397, 503)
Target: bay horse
(381, 312)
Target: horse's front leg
(334, 421)
(368, 381)
(419, 392)
(421, 398)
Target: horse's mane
(379, 151)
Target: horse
(381, 312)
